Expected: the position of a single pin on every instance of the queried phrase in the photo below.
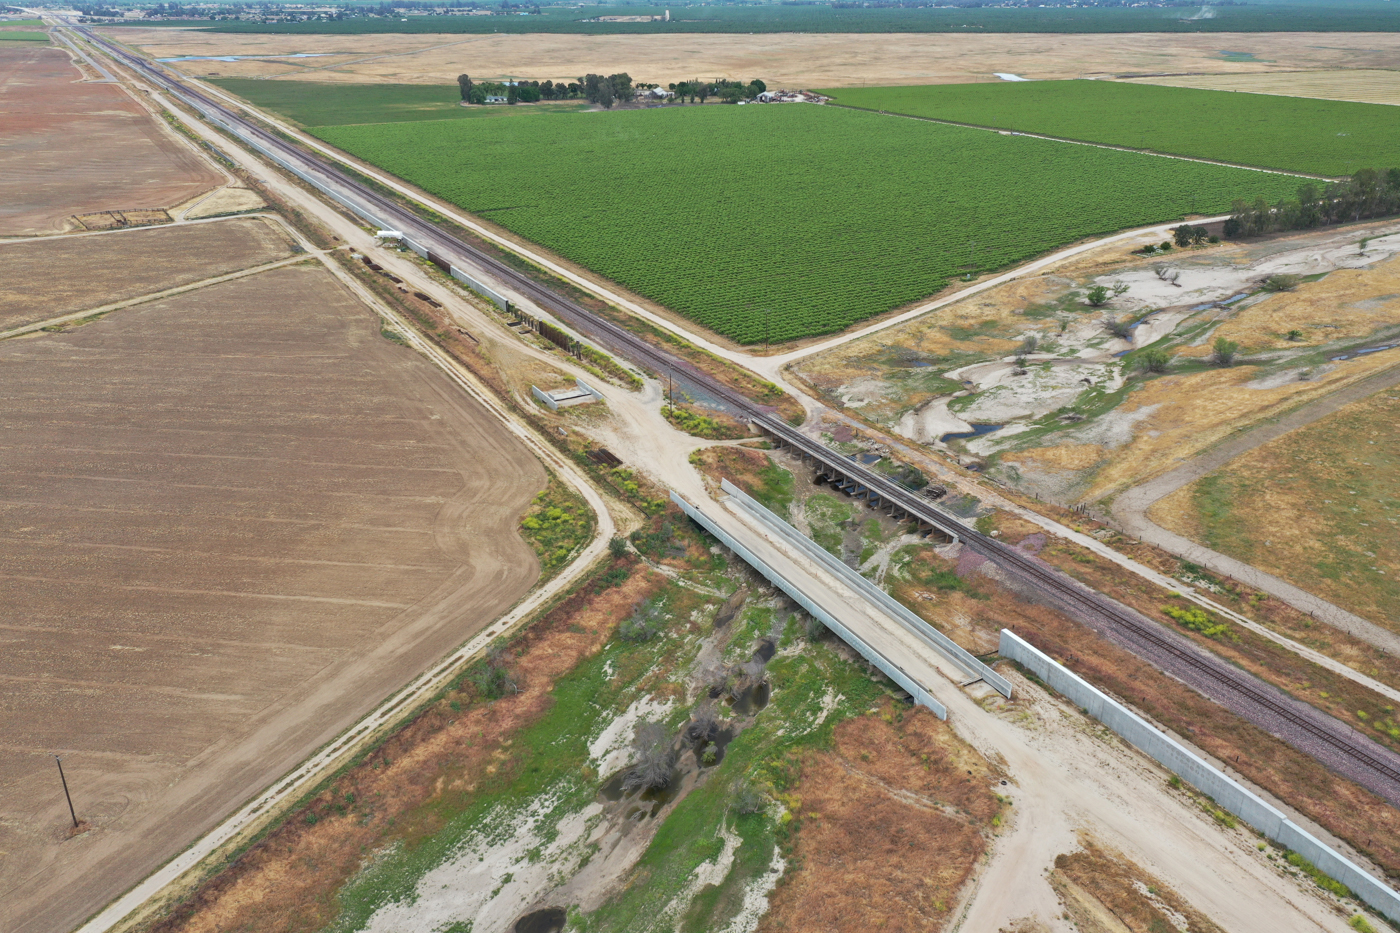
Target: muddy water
(549, 920)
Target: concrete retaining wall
(888, 667)
(916, 626)
(1226, 792)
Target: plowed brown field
(41, 279)
(233, 521)
(67, 147)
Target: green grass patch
(826, 517)
(20, 36)
(866, 212)
(1325, 137)
(774, 489)
(312, 103)
(557, 524)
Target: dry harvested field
(1364, 85)
(69, 147)
(234, 520)
(784, 60)
(45, 278)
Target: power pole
(66, 795)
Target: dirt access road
(1130, 511)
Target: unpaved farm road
(1130, 510)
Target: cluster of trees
(1368, 193)
(596, 89)
(731, 92)
(605, 90)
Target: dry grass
(1367, 86)
(1346, 304)
(866, 814)
(1134, 901)
(1066, 457)
(1316, 507)
(1187, 413)
(783, 60)
(287, 882)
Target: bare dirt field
(1364, 85)
(784, 60)
(45, 278)
(68, 147)
(234, 521)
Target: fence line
(1228, 793)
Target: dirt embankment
(866, 814)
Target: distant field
(1363, 85)
(16, 35)
(315, 104)
(1317, 136)
(1357, 16)
(773, 223)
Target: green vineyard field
(1325, 137)
(771, 223)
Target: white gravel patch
(612, 749)
(492, 878)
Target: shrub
(1154, 361)
(1122, 329)
(492, 678)
(1198, 620)
(1223, 351)
(1281, 283)
(646, 620)
(617, 547)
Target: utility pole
(66, 795)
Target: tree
(703, 90)
(1153, 360)
(1182, 235)
(1224, 351)
(605, 95)
(1099, 295)
(1295, 335)
(528, 94)
(656, 759)
(622, 87)
(464, 83)
(756, 87)
(512, 93)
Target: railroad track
(1351, 753)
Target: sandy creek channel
(522, 866)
